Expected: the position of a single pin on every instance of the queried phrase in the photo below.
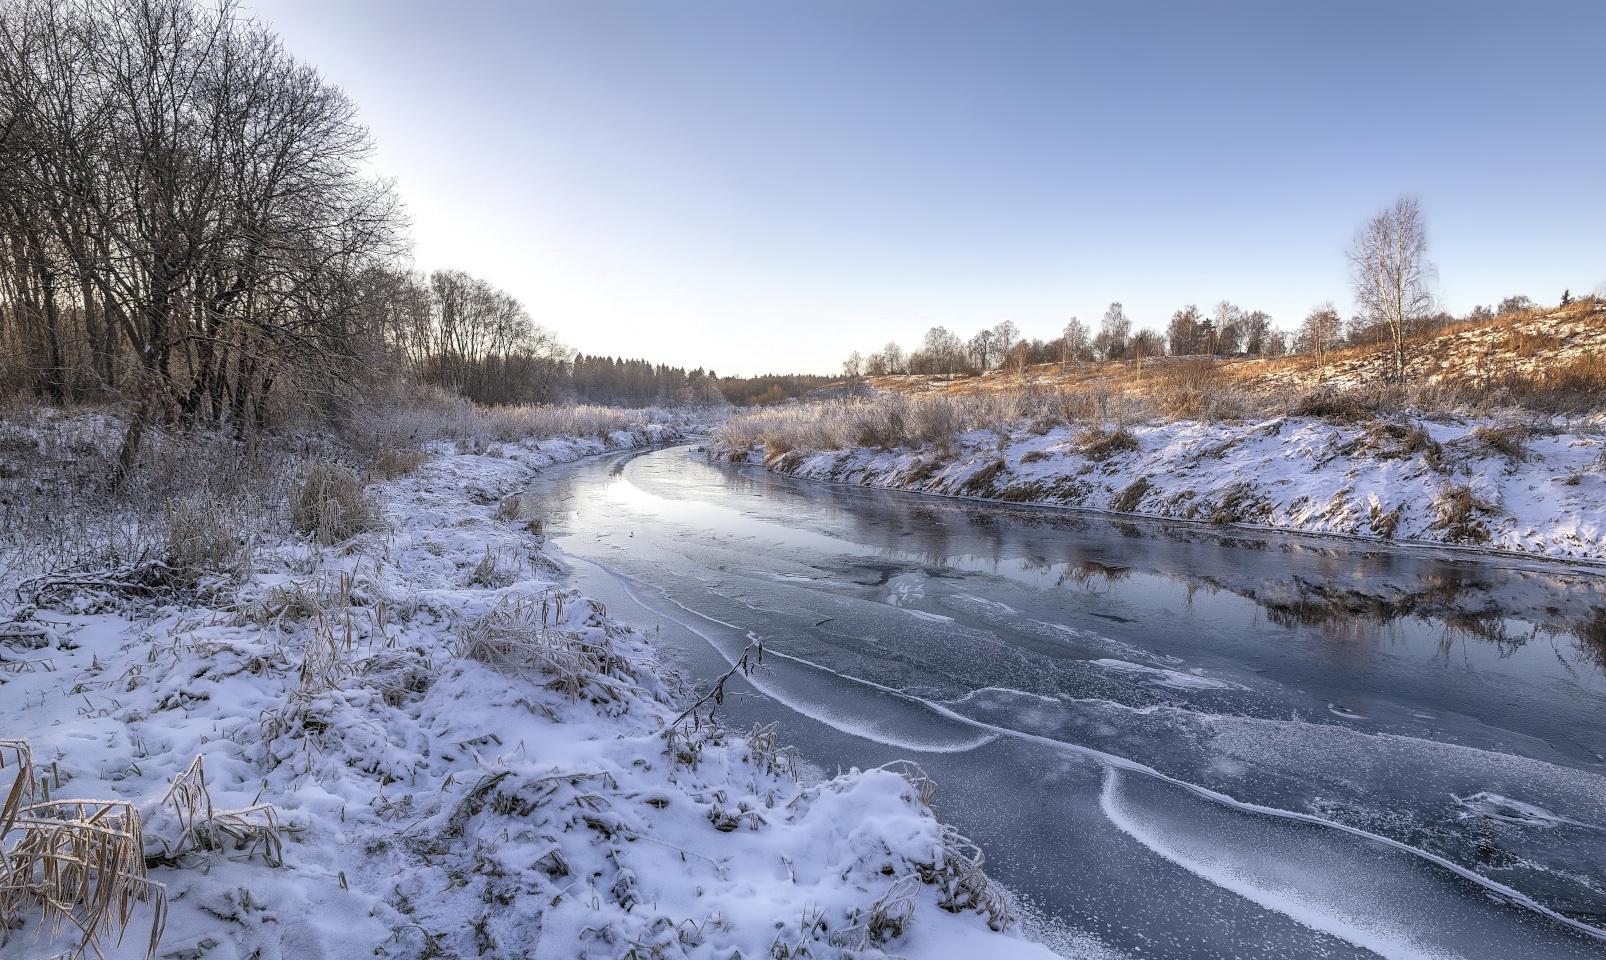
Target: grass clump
(204, 535)
(1128, 499)
(392, 463)
(76, 865)
(1390, 440)
(1459, 512)
(1095, 443)
(334, 505)
(521, 634)
(1509, 440)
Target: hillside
(1497, 440)
(1505, 362)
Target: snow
(1389, 479)
(434, 799)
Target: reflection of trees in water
(1492, 626)
(1591, 634)
(1350, 593)
(1324, 603)
(1087, 573)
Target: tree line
(1229, 329)
(184, 219)
(1389, 271)
(187, 228)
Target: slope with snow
(419, 743)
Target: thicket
(185, 223)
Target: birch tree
(1389, 266)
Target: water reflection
(1380, 687)
(1347, 591)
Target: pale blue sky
(764, 185)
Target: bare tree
(1004, 336)
(1320, 332)
(193, 199)
(853, 366)
(1073, 343)
(1183, 331)
(1514, 304)
(1114, 329)
(980, 348)
(1389, 266)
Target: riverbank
(398, 734)
(1524, 488)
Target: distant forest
(1228, 330)
(637, 383)
(212, 250)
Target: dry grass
(427, 414)
(205, 536)
(1194, 390)
(255, 830)
(1128, 499)
(1098, 444)
(1509, 440)
(389, 464)
(79, 865)
(519, 634)
(1391, 440)
(1458, 513)
(333, 505)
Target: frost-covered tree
(1114, 330)
(1073, 343)
(1389, 266)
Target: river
(1170, 740)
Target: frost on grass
(1330, 465)
(417, 744)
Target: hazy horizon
(765, 188)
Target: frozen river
(1171, 741)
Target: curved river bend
(1171, 741)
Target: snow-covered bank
(1494, 485)
(418, 743)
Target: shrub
(203, 535)
(333, 504)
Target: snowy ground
(418, 743)
(1473, 483)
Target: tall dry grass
(76, 868)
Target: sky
(755, 186)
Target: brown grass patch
(392, 463)
(1097, 444)
(333, 505)
(1127, 500)
(1508, 440)
(1459, 513)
